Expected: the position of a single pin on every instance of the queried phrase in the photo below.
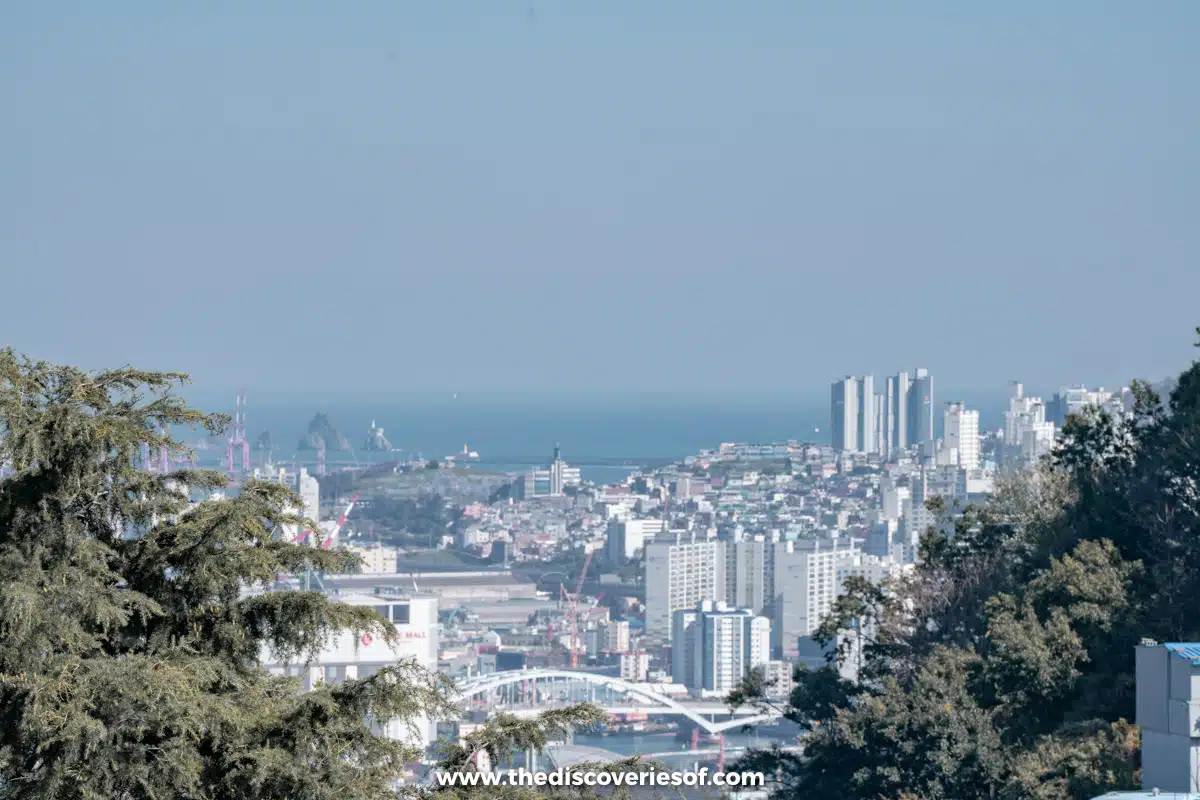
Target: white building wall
(350, 657)
(806, 586)
(961, 434)
(844, 414)
(866, 415)
(681, 571)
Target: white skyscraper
(899, 389)
(961, 434)
(713, 647)
(681, 571)
(887, 418)
(866, 415)
(844, 414)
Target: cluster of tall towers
(866, 421)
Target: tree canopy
(1003, 667)
(131, 631)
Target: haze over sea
(525, 426)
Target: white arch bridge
(531, 691)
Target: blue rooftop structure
(1187, 650)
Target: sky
(683, 195)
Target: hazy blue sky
(498, 195)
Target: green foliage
(129, 646)
(409, 521)
(1004, 666)
(131, 632)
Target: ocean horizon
(585, 426)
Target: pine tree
(129, 650)
(131, 634)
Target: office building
(844, 414)
(714, 647)
(681, 571)
(961, 435)
(625, 538)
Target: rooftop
(1186, 650)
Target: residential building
(635, 667)
(866, 415)
(748, 572)
(376, 559)
(920, 408)
(900, 390)
(309, 489)
(614, 637)
(1027, 434)
(844, 414)
(960, 435)
(778, 678)
(716, 646)
(806, 585)
(1074, 399)
(626, 537)
(681, 571)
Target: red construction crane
(573, 613)
(303, 537)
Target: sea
(526, 428)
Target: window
(401, 614)
(383, 611)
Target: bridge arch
(665, 705)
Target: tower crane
(328, 541)
(573, 611)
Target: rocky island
(322, 431)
